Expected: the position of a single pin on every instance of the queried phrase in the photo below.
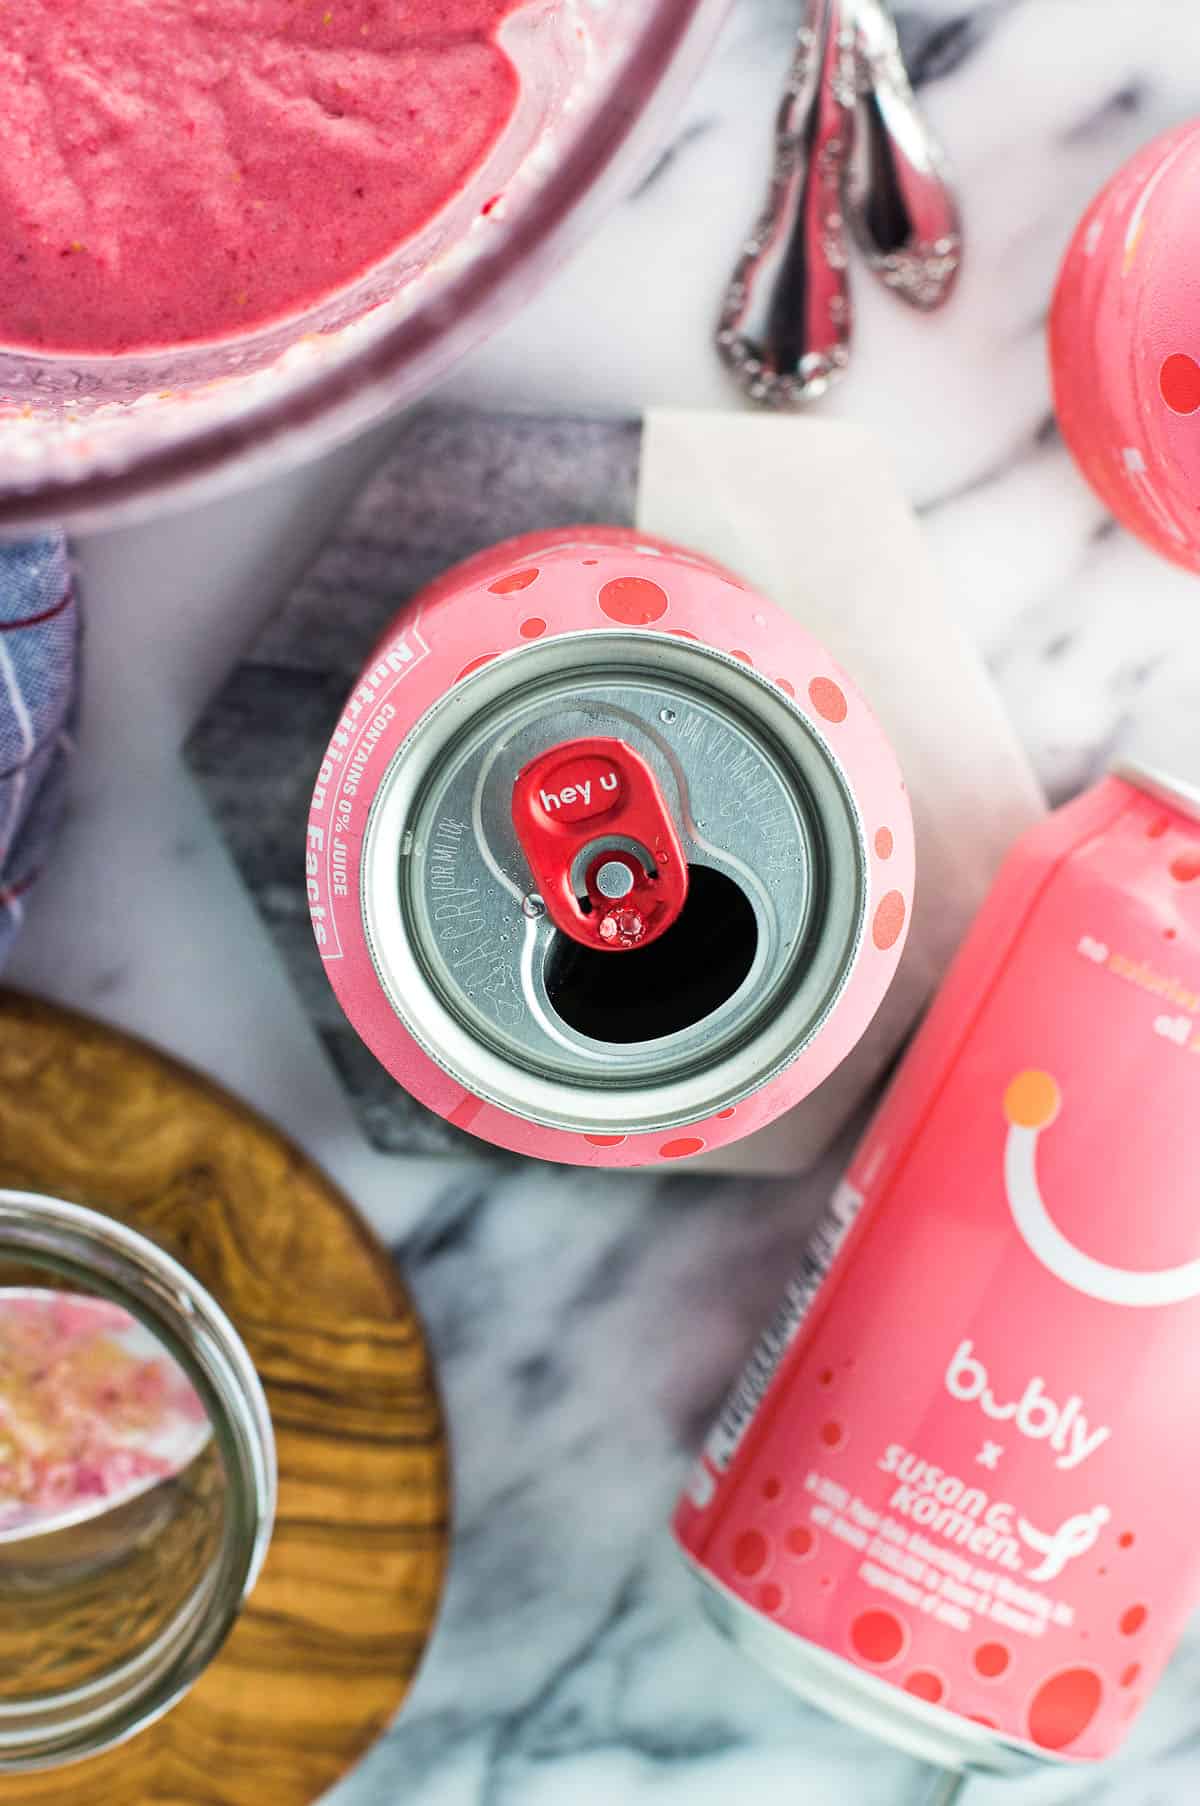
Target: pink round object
(1125, 346)
(600, 580)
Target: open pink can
(607, 861)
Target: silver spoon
(784, 327)
(903, 210)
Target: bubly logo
(580, 788)
(1034, 1414)
(1031, 1104)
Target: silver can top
(642, 1037)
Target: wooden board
(324, 1652)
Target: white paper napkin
(811, 513)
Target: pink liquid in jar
(181, 171)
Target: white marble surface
(586, 1324)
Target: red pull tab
(603, 849)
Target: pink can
(607, 861)
(955, 1496)
(1125, 345)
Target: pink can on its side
(734, 731)
(955, 1497)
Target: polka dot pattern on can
(633, 601)
(476, 664)
(681, 1148)
(1064, 1706)
(888, 923)
(878, 1637)
(751, 1552)
(828, 699)
(1179, 383)
(992, 1660)
(516, 580)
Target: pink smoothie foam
(177, 171)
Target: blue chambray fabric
(39, 687)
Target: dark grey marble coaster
(457, 482)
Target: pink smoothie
(176, 171)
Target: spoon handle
(902, 207)
(784, 327)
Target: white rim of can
(1177, 793)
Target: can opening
(647, 992)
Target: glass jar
(137, 1480)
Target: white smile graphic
(1031, 1104)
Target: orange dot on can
(991, 1660)
(1133, 1620)
(724, 1115)
(476, 664)
(681, 1148)
(827, 698)
(681, 633)
(633, 601)
(825, 1377)
(782, 683)
(770, 1596)
(1126, 1539)
(1179, 383)
(735, 652)
(772, 1486)
(750, 1553)
(989, 1724)
(889, 921)
(508, 586)
(606, 1141)
(832, 1434)
(532, 628)
(800, 1541)
(1064, 1706)
(1158, 827)
(878, 1637)
(924, 1684)
(1032, 1100)
(1129, 1675)
(884, 844)
(1186, 867)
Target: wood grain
(324, 1653)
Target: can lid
(1178, 793)
(755, 823)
